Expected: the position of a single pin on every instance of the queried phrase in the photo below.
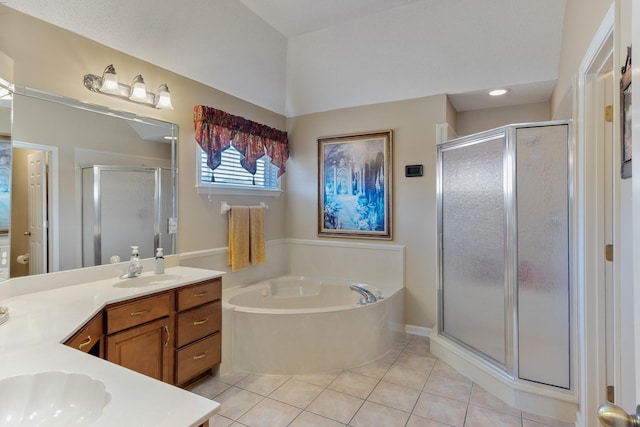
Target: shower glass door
(472, 221)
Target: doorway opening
(34, 213)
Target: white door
(37, 203)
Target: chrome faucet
(132, 271)
(368, 296)
(135, 268)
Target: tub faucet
(369, 297)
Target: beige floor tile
(234, 402)
(447, 387)
(481, 397)
(483, 417)
(337, 406)
(545, 420)
(375, 369)
(308, 419)
(419, 345)
(354, 384)
(417, 421)
(395, 396)
(441, 369)
(220, 421)
(210, 388)
(270, 413)
(442, 409)
(416, 361)
(297, 393)
(529, 423)
(390, 356)
(322, 380)
(406, 376)
(262, 384)
(372, 414)
(231, 377)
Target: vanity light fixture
(498, 92)
(137, 92)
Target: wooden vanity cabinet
(173, 336)
(89, 338)
(198, 325)
(139, 335)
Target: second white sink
(51, 399)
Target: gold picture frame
(354, 185)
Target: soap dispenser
(135, 256)
(159, 269)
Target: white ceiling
(303, 56)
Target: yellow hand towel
(256, 233)
(238, 256)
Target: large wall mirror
(87, 183)
(6, 97)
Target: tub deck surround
(31, 341)
(284, 328)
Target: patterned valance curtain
(215, 130)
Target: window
(231, 174)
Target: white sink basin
(151, 280)
(51, 398)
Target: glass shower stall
(504, 220)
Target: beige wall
(51, 59)
(474, 121)
(414, 199)
(582, 19)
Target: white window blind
(231, 172)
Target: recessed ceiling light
(498, 92)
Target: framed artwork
(354, 185)
(625, 108)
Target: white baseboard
(417, 330)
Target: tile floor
(407, 387)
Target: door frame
(53, 232)
(590, 243)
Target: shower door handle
(611, 415)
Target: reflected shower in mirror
(54, 140)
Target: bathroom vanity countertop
(31, 341)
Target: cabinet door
(89, 337)
(146, 349)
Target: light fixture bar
(161, 100)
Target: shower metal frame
(157, 202)
(508, 133)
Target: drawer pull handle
(84, 343)
(200, 294)
(139, 313)
(166, 329)
(200, 356)
(200, 322)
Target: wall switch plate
(172, 226)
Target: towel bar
(226, 207)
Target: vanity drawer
(196, 358)
(199, 293)
(198, 322)
(129, 314)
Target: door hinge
(608, 113)
(608, 253)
